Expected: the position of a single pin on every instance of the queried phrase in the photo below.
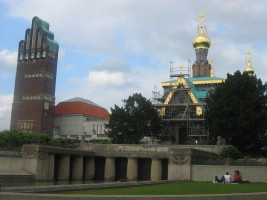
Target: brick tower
(34, 95)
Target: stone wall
(52, 163)
(9, 165)
(208, 172)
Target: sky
(110, 49)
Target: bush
(231, 152)
(97, 141)
(16, 138)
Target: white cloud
(5, 111)
(8, 59)
(105, 78)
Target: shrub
(230, 152)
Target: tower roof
(80, 105)
(249, 69)
(201, 41)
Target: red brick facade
(34, 95)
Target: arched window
(44, 48)
(28, 40)
(21, 50)
(39, 42)
(34, 30)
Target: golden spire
(201, 41)
(181, 69)
(201, 25)
(249, 69)
(212, 73)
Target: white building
(79, 117)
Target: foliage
(136, 119)
(237, 111)
(9, 139)
(230, 152)
(98, 141)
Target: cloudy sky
(110, 49)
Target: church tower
(249, 69)
(201, 43)
(34, 93)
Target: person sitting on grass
(225, 178)
(237, 178)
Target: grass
(179, 188)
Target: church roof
(79, 105)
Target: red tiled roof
(81, 108)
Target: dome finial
(201, 26)
(249, 69)
(201, 41)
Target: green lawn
(179, 188)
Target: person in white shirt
(227, 178)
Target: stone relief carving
(180, 159)
(29, 152)
(42, 155)
(32, 153)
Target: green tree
(237, 111)
(136, 119)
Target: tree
(135, 120)
(237, 111)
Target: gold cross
(248, 52)
(211, 61)
(248, 57)
(201, 17)
(181, 68)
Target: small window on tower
(46, 105)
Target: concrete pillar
(77, 168)
(51, 167)
(132, 169)
(156, 169)
(109, 169)
(89, 168)
(63, 170)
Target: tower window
(46, 105)
(25, 125)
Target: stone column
(132, 169)
(89, 168)
(77, 168)
(63, 168)
(156, 169)
(51, 167)
(109, 169)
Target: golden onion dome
(249, 69)
(201, 41)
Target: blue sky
(109, 50)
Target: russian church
(182, 104)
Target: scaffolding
(182, 124)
